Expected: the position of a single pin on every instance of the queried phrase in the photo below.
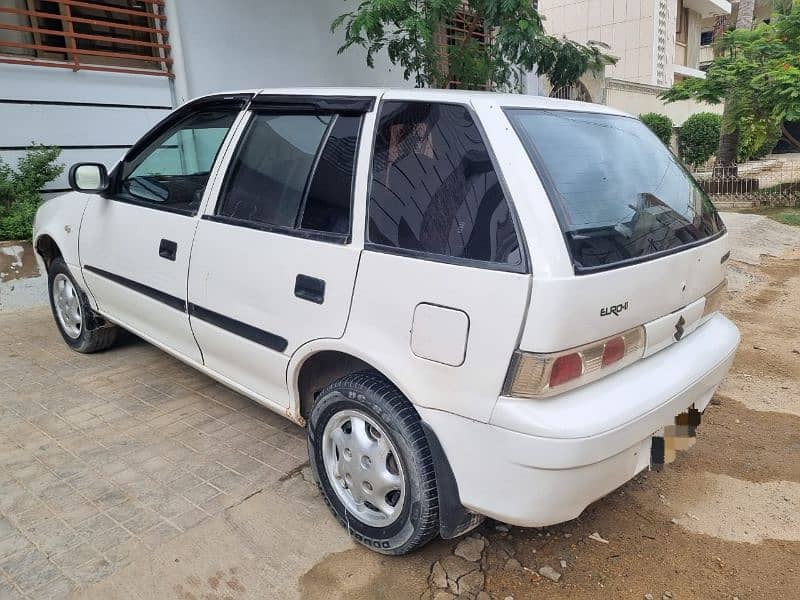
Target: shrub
(698, 138)
(661, 125)
(19, 189)
(757, 139)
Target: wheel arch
(47, 249)
(321, 362)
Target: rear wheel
(81, 328)
(372, 463)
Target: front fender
(60, 219)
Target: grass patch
(787, 216)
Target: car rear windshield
(620, 195)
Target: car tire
(82, 329)
(366, 411)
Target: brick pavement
(106, 454)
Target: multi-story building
(657, 42)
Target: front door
(135, 242)
(273, 266)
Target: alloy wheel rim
(364, 468)
(68, 306)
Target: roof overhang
(688, 71)
(708, 8)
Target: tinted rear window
(620, 195)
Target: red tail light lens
(613, 351)
(566, 368)
(538, 375)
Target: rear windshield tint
(620, 195)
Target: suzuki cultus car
(478, 304)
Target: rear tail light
(566, 368)
(613, 351)
(540, 375)
(715, 298)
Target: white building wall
(93, 116)
(626, 26)
(242, 44)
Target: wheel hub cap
(68, 306)
(363, 467)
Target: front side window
(294, 171)
(619, 194)
(434, 187)
(173, 170)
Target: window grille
(455, 31)
(123, 36)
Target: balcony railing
(122, 36)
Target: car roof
(436, 95)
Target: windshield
(620, 195)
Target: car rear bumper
(540, 462)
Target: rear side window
(434, 188)
(268, 177)
(619, 194)
(327, 207)
(294, 172)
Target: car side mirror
(89, 178)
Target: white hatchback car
(478, 304)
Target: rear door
(135, 242)
(273, 265)
(443, 282)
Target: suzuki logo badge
(679, 328)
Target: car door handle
(168, 249)
(310, 288)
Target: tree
(409, 30)
(729, 133)
(757, 74)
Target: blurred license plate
(672, 439)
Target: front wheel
(80, 327)
(372, 463)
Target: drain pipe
(179, 85)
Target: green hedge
(661, 125)
(698, 138)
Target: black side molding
(354, 105)
(163, 297)
(725, 257)
(259, 336)
(454, 519)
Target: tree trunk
(725, 163)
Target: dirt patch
(359, 574)
(17, 261)
(741, 511)
(766, 373)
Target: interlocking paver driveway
(106, 454)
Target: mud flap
(454, 519)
